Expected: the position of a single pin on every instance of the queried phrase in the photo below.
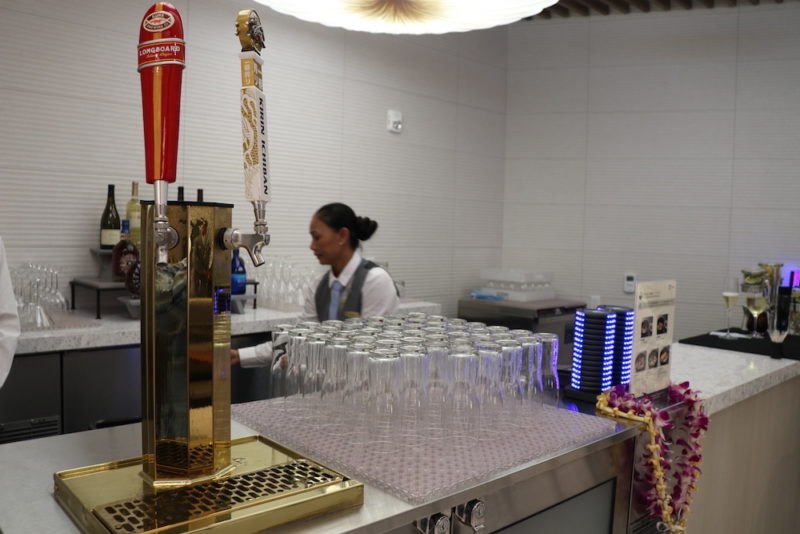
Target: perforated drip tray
(270, 486)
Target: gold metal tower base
(270, 486)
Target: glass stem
(728, 331)
(755, 324)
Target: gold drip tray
(270, 486)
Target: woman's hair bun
(365, 227)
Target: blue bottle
(238, 274)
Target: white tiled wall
(70, 122)
(667, 144)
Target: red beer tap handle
(162, 55)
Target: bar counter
(117, 329)
(735, 385)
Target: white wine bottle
(133, 212)
(109, 222)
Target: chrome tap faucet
(164, 235)
(254, 242)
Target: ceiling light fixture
(410, 16)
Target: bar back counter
(750, 481)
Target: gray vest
(352, 306)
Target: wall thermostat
(629, 283)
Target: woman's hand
(283, 361)
(234, 357)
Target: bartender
(352, 287)
(9, 320)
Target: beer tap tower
(191, 475)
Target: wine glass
(756, 301)
(730, 294)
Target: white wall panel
(667, 87)
(769, 33)
(94, 69)
(397, 62)
(542, 180)
(657, 229)
(477, 223)
(480, 132)
(26, 194)
(548, 44)
(690, 168)
(768, 233)
(387, 168)
(482, 86)
(766, 85)
(426, 121)
(692, 135)
(50, 132)
(657, 38)
(441, 42)
(766, 183)
(689, 134)
(550, 226)
(662, 181)
(71, 123)
(298, 44)
(546, 135)
(486, 46)
(547, 90)
(768, 134)
(479, 177)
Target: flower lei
(672, 508)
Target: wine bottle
(238, 274)
(180, 193)
(783, 308)
(133, 212)
(109, 222)
(199, 195)
(124, 255)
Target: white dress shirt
(9, 320)
(378, 297)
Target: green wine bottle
(109, 222)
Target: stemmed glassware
(756, 301)
(284, 283)
(37, 294)
(730, 293)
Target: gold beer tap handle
(249, 31)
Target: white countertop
(726, 377)
(117, 330)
